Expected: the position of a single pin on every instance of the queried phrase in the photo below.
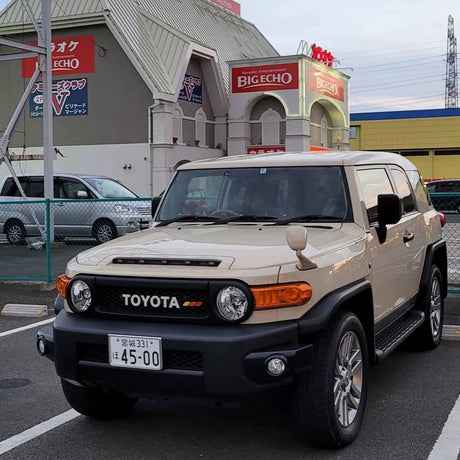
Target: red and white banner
(230, 5)
(70, 55)
(273, 77)
(326, 84)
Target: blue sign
(191, 90)
(69, 98)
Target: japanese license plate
(135, 352)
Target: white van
(84, 206)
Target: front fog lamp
(276, 366)
(232, 303)
(80, 296)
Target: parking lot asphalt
(41, 293)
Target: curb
(451, 332)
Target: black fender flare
(435, 254)
(318, 317)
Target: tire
(329, 400)
(429, 334)
(15, 232)
(96, 403)
(104, 230)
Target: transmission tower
(451, 93)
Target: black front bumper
(220, 361)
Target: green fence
(449, 205)
(38, 237)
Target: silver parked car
(84, 206)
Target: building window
(353, 132)
(200, 128)
(270, 121)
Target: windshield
(109, 188)
(313, 193)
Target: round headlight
(80, 296)
(232, 303)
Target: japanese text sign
(324, 56)
(191, 90)
(69, 97)
(70, 55)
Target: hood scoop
(166, 261)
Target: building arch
(177, 128)
(200, 128)
(270, 122)
(327, 123)
(267, 121)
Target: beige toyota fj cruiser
(260, 273)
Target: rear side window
(11, 189)
(374, 182)
(404, 190)
(36, 188)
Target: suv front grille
(155, 302)
(172, 359)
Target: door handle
(408, 236)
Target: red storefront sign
(274, 77)
(326, 84)
(265, 149)
(320, 55)
(230, 5)
(70, 55)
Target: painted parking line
(447, 446)
(24, 328)
(37, 430)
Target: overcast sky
(396, 48)
(394, 51)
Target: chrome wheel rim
(15, 233)
(104, 233)
(348, 380)
(435, 307)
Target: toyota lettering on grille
(155, 301)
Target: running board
(392, 336)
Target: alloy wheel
(435, 307)
(348, 379)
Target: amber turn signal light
(62, 281)
(281, 295)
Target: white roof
(157, 35)
(281, 159)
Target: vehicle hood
(236, 247)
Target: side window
(70, 187)
(374, 182)
(10, 188)
(36, 187)
(404, 190)
(421, 191)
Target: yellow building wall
(426, 134)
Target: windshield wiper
(309, 218)
(246, 218)
(187, 218)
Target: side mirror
(296, 237)
(388, 212)
(82, 194)
(388, 209)
(155, 202)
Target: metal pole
(46, 68)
